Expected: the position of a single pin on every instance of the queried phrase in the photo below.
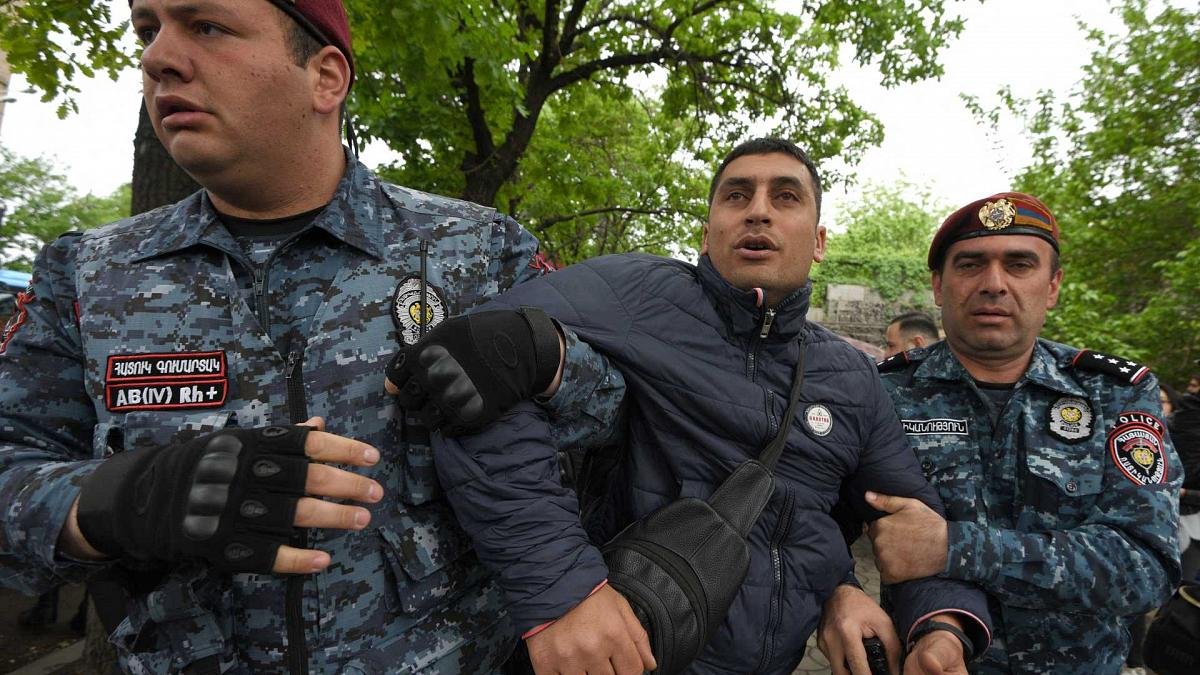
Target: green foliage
(597, 122)
(40, 205)
(1119, 165)
(885, 242)
(54, 41)
(594, 122)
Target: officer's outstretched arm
(232, 498)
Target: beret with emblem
(1003, 213)
(325, 20)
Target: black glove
(470, 369)
(228, 498)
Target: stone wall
(861, 313)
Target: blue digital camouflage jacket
(1065, 512)
(135, 335)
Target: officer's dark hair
(768, 146)
(301, 43)
(917, 322)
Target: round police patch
(1071, 419)
(818, 419)
(1136, 446)
(410, 316)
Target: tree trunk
(157, 179)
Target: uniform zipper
(775, 612)
(297, 653)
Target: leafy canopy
(1118, 163)
(884, 244)
(54, 41)
(595, 121)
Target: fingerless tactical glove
(228, 498)
(472, 368)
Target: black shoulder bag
(681, 566)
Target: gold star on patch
(997, 215)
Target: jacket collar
(352, 216)
(1043, 370)
(742, 313)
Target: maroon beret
(1004, 213)
(325, 20)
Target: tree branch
(484, 147)
(569, 26)
(546, 223)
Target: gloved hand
(470, 369)
(228, 498)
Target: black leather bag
(1172, 645)
(681, 566)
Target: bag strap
(771, 455)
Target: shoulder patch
(1136, 447)
(1123, 370)
(895, 362)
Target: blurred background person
(910, 331)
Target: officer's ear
(1055, 285)
(329, 73)
(704, 239)
(936, 282)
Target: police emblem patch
(818, 419)
(1136, 446)
(1071, 419)
(412, 319)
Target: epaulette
(898, 361)
(1122, 369)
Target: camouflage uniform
(404, 595)
(1046, 514)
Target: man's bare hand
(600, 635)
(936, 653)
(910, 542)
(849, 616)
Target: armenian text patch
(171, 381)
(1136, 446)
(938, 426)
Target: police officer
(1059, 481)
(190, 398)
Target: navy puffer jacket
(708, 372)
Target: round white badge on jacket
(818, 419)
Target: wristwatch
(929, 626)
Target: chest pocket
(146, 430)
(427, 555)
(1060, 487)
(950, 464)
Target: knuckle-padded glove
(470, 369)
(227, 497)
